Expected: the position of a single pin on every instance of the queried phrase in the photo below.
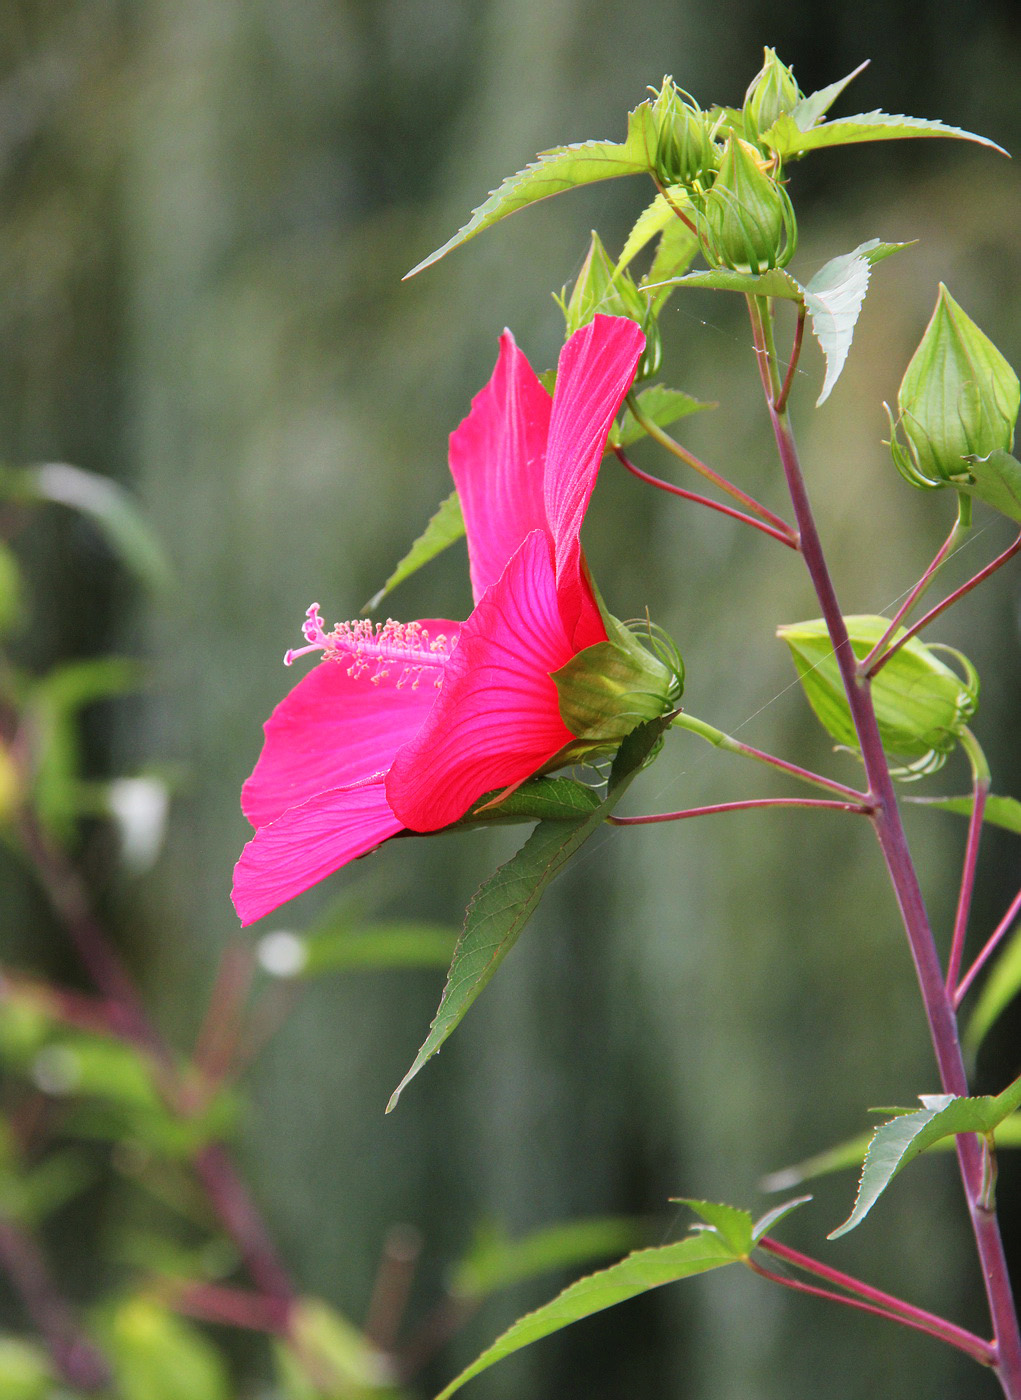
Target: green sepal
(958, 401)
(920, 703)
(607, 689)
(772, 93)
(746, 220)
(996, 480)
(685, 153)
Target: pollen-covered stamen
(376, 647)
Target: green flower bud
(608, 689)
(921, 704)
(747, 220)
(685, 150)
(772, 93)
(959, 398)
(599, 291)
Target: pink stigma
(377, 646)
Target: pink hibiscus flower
(404, 726)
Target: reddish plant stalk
(978, 808)
(780, 403)
(947, 602)
(785, 537)
(992, 943)
(212, 1302)
(742, 806)
(873, 1300)
(938, 1003)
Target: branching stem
(980, 789)
(992, 943)
(827, 804)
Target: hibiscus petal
(595, 372)
(307, 843)
(497, 718)
(335, 728)
(497, 460)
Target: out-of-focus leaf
(834, 299)
(157, 1356)
(35, 1194)
(385, 945)
(900, 1141)
(766, 1222)
(774, 283)
(556, 170)
(496, 1262)
(999, 989)
(999, 811)
(995, 479)
(11, 591)
(504, 904)
(787, 138)
(110, 508)
(638, 1273)
(25, 1372)
(161, 1256)
(330, 1351)
(664, 406)
(810, 110)
(445, 526)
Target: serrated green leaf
(506, 901)
(998, 991)
(674, 254)
(496, 1262)
(445, 526)
(999, 811)
(638, 1273)
(834, 299)
(766, 1222)
(664, 406)
(385, 945)
(899, 1142)
(731, 1224)
(111, 510)
(650, 222)
(540, 799)
(788, 139)
(556, 170)
(774, 283)
(810, 110)
(995, 479)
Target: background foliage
(206, 211)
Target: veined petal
(497, 459)
(595, 372)
(334, 728)
(307, 843)
(497, 718)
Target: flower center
(376, 647)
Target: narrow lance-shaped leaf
(494, 1261)
(664, 406)
(556, 170)
(834, 299)
(507, 900)
(540, 799)
(810, 110)
(999, 990)
(787, 138)
(999, 811)
(638, 1273)
(774, 283)
(445, 526)
(651, 221)
(995, 479)
(900, 1141)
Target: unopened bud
(747, 218)
(921, 704)
(685, 151)
(773, 93)
(959, 398)
(601, 291)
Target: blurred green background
(207, 207)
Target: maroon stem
(80, 1365)
(786, 537)
(743, 806)
(992, 943)
(978, 808)
(780, 402)
(873, 1300)
(225, 1189)
(912, 598)
(938, 1003)
(933, 613)
(213, 1302)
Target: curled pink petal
(336, 727)
(497, 460)
(307, 843)
(497, 719)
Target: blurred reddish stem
(992, 943)
(401, 1250)
(744, 806)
